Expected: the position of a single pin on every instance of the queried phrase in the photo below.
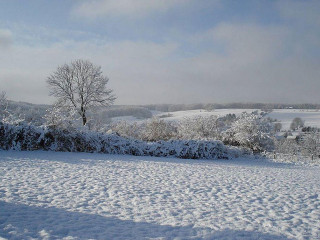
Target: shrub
(251, 131)
(27, 137)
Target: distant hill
(212, 106)
(142, 110)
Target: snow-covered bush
(59, 117)
(310, 144)
(287, 146)
(125, 129)
(305, 145)
(26, 137)
(157, 129)
(152, 130)
(5, 115)
(250, 131)
(200, 127)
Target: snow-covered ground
(51, 195)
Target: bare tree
(277, 127)
(80, 85)
(296, 123)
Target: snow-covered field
(180, 115)
(50, 195)
(285, 116)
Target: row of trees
(212, 106)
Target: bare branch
(80, 85)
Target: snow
(55, 195)
(180, 115)
(285, 116)
(130, 119)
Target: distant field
(285, 116)
(192, 113)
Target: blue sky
(169, 51)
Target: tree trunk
(83, 115)
(84, 119)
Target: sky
(166, 51)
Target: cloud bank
(137, 8)
(229, 61)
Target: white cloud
(131, 8)
(256, 64)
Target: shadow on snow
(92, 158)
(19, 221)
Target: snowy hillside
(48, 195)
